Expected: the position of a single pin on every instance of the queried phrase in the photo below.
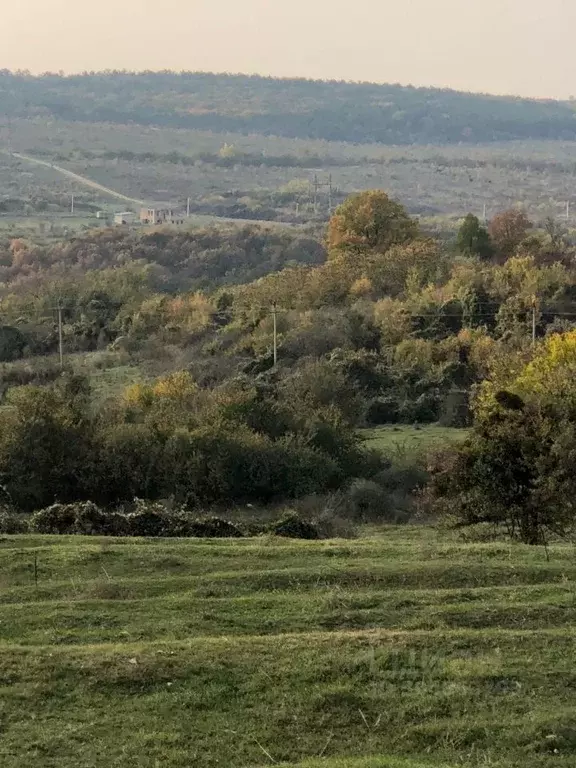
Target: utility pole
(72, 205)
(533, 321)
(330, 195)
(568, 210)
(484, 214)
(275, 341)
(315, 193)
(187, 207)
(60, 343)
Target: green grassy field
(408, 649)
(406, 442)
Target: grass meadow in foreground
(405, 649)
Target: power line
(488, 311)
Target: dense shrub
(150, 519)
(12, 523)
(367, 501)
(58, 518)
(293, 527)
(12, 343)
(212, 528)
(456, 410)
(218, 464)
(37, 370)
(331, 525)
(153, 519)
(402, 479)
(424, 410)
(90, 520)
(382, 410)
(83, 517)
(128, 464)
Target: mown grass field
(408, 649)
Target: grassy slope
(404, 441)
(406, 650)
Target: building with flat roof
(126, 217)
(155, 216)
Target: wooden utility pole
(187, 207)
(60, 341)
(533, 321)
(275, 332)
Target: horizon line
(258, 75)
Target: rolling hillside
(336, 111)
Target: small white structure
(126, 217)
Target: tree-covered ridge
(298, 108)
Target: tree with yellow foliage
(370, 221)
(166, 403)
(517, 468)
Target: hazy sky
(501, 46)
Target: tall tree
(507, 230)
(370, 221)
(473, 238)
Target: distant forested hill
(354, 112)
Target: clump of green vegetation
(144, 518)
(293, 527)
(515, 469)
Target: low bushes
(153, 519)
(144, 519)
(382, 410)
(82, 517)
(213, 528)
(90, 520)
(242, 443)
(366, 501)
(293, 527)
(57, 518)
(12, 523)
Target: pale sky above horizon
(522, 47)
